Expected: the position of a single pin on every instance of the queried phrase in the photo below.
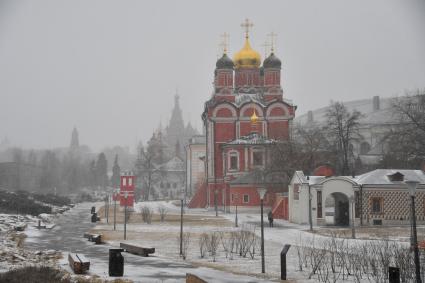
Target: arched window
(233, 161)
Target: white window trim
(243, 198)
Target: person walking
(270, 216)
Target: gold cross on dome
(224, 42)
(247, 25)
(272, 40)
(266, 46)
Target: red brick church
(245, 115)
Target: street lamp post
(353, 231)
(115, 209)
(236, 209)
(106, 209)
(181, 228)
(310, 217)
(215, 202)
(125, 215)
(411, 185)
(262, 193)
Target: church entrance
(337, 210)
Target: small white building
(374, 198)
(195, 163)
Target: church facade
(246, 114)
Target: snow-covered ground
(164, 236)
(166, 265)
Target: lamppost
(181, 227)
(115, 208)
(411, 185)
(107, 208)
(236, 209)
(215, 202)
(310, 218)
(125, 215)
(353, 231)
(262, 192)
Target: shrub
(34, 274)
(21, 203)
(147, 214)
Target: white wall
(298, 209)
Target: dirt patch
(401, 233)
(170, 219)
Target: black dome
(224, 62)
(272, 62)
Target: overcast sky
(111, 68)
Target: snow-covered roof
(312, 180)
(252, 139)
(381, 177)
(255, 177)
(375, 177)
(383, 115)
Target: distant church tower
(176, 127)
(74, 140)
(176, 134)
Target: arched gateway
(337, 210)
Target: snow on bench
(78, 263)
(143, 251)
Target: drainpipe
(361, 205)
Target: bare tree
(214, 241)
(342, 129)
(162, 210)
(405, 141)
(146, 169)
(147, 214)
(203, 244)
(314, 148)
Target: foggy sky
(111, 68)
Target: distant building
(378, 118)
(75, 143)
(170, 183)
(380, 198)
(176, 133)
(195, 163)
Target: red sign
(127, 186)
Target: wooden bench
(96, 238)
(78, 263)
(142, 251)
(20, 227)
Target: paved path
(68, 236)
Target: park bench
(20, 227)
(142, 251)
(78, 263)
(39, 226)
(96, 238)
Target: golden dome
(247, 57)
(254, 118)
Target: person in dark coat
(270, 216)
